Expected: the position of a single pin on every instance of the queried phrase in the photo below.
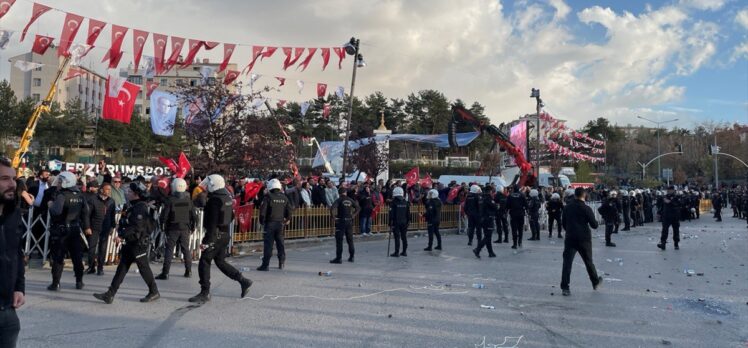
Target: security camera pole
(351, 48)
(538, 105)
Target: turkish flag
(326, 111)
(297, 52)
(251, 189)
(118, 35)
(325, 57)
(159, 47)
(184, 165)
(453, 194)
(41, 44)
(282, 81)
(94, 29)
(176, 49)
(194, 48)
(150, 87)
(231, 76)
(73, 72)
(411, 177)
(426, 182)
(120, 108)
(280, 103)
(37, 11)
(114, 61)
(321, 90)
(138, 42)
(228, 50)
(244, 217)
(169, 163)
(268, 52)
(69, 30)
(5, 6)
(256, 53)
(340, 51)
(305, 63)
(209, 45)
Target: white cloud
(741, 50)
(704, 4)
(562, 9)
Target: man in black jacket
(178, 217)
(717, 205)
(344, 210)
(275, 213)
(554, 208)
(577, 219)
(502, 224)
(516, 205)
(218, 214)
(473, 206)
(69, 215)
(399, 219)
(609, 211)
(101, 222)
(12, 280)
(671, 207)
(432, 215)
(489, 211)
(318, 194)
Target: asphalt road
(426, 299)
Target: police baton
(85, 241)
(389, 238)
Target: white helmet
(67, 180)
(179, 185)
(613, 193)
(647, 191)
(632, 193)
(568, 192)
(533, 193)
(475, 189)
(555, 196)
(624, 193)
(274, 184)
(433, 194)
(213, 183)
(638, 191)
(499, 188)
(397, 192)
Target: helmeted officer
(671, 207)
(533, 212)
(178, 217)
(717, 205)
(218, 214)
(609, 211)
(344, 210)
(433, 218)
(473, 204)
(135, 227)
(555, 208)
(626, 210)
(516, 205)
(502, 224)
(399, 219)
(70, 215)
(275, 212)
(489, 210)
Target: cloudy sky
(685, 59)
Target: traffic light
(679, 147)
(713, 150)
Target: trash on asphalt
(479, 286)
(245, 269)
(487, 307)
(326, 274)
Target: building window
(193, 82)
(138, 80)
(38, 69)
(163, 82)
(147, 111)
(179, 82)
(37, 82)
(85, 107)
(80, 89)
(36, 97)
(86, 90)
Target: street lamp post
(658, 123)
(351, 48)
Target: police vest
(72, 208)
(400, 211)
(277, 203)
(345, 208)
(227, 212)
(180, 210)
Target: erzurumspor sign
(91, 169)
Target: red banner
(228, 50)
(305, 63)
(5, 6)
(325, 57)
(69, 30)
(138, 42)
(411, 177)
(41, 44)
(244, 217)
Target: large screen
(518, 137)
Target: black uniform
(344, 210)
(533, 212)
(609, 211)
(626, 212)
(516, 205)
(178, 217)
(275, 210)
(473, 206)
(70, 216)
(12, 277)
(648, 217)
(578, 218)
(102, 221)
(490, 210)
(433, 218)
(717, 205)
(555, 208)
(502, 224)
(135, 227)
(670, 217)
(399, 219)
(218, 214)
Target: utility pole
(716, 163)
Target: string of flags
(162, 63)
(555, 129)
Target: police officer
(609, 211)
(502, 225)
(178, 217)
(671, 207)
(554, 208)
(433, 218)
(489, 210)
(473, 204)
(70, 216)
(717, 205)
(399, 219)
(648, 217)
(136, 225)
(578, 218)
(617, 202)
(218, 214)
(275, 212)
(344, 210)
(533, 212)
(516, 205)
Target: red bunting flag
(326, 111)
(340, 51)
(209, 45)
(251, 189)
(282, 81)
(94, 29)
(411, 177)
(426, 182)
(69, 30)
(120, 108)
(138, 42)
(321, 90)
(73, 72)
(231, 76)
(305, 63)
(228, 50)
(150, 87)
(256, 53)
(297, 52)
(325, 57)
(114, 61)
(176, 50)
(169, 163)
(268, 52)
(41, 44)
(281, 103)
(118, 35)
(37, 11)
(159, 48)
(192, 53)
(184, 166)
(5, 6)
